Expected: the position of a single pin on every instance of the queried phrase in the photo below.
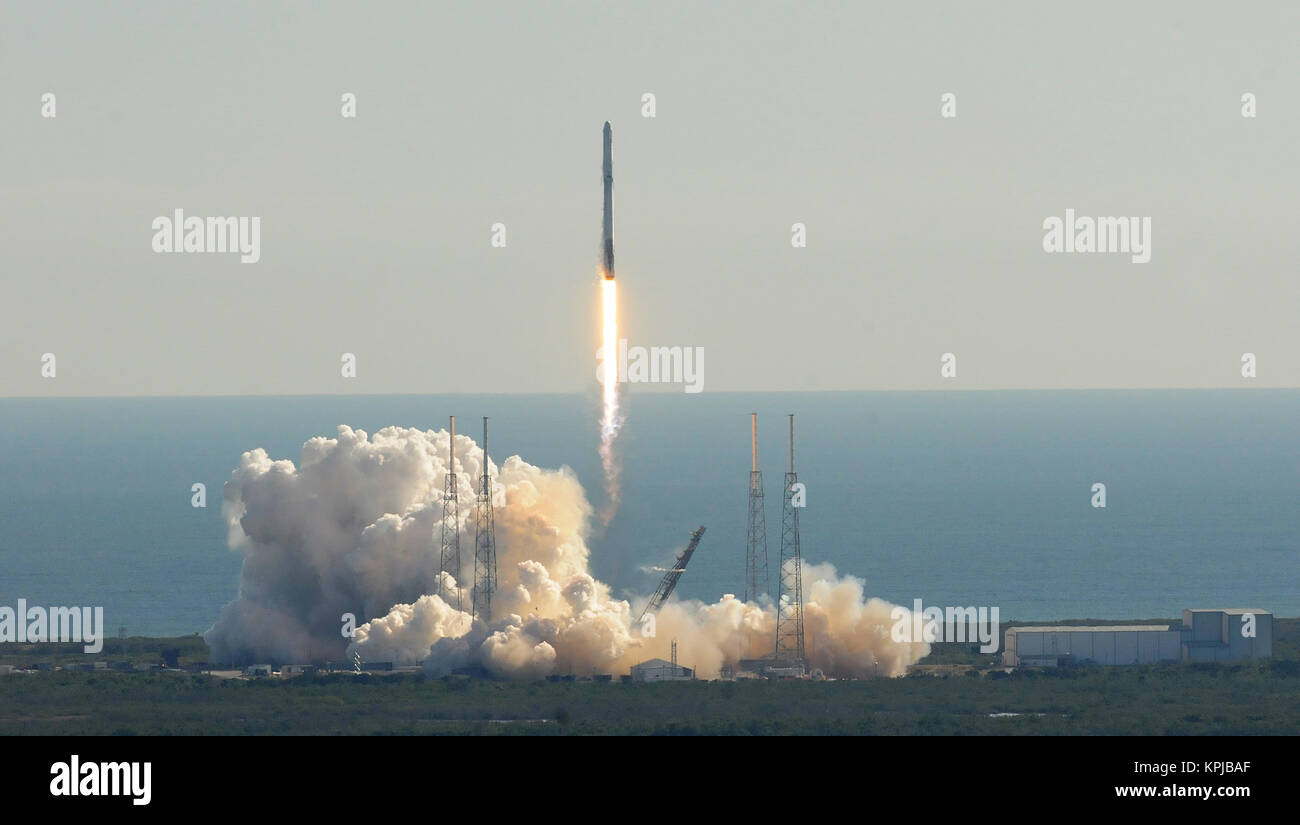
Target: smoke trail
(351, 529)
(611, 417)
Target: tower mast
(789, 606)
(756, 576)
(485, 548)
(450, 558)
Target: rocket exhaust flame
(611, 417)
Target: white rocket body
(607, 224)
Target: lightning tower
(485, 545)
(789, 606)
(451, 520)
(756, 578)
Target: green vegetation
(1252, 698)
(138, 650)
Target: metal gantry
(485, 548)
(756, 576)
(789, 606)
(450, 559)
(670, 578)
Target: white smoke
(356, 528)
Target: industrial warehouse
(1204, 636)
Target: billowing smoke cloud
(356, 528)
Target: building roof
(1123, 628)
(1234, 611)
(653, 663)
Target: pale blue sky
(924, 233)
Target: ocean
(954, 498)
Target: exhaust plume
(351, 529)
(611, 415)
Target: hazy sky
(925, 234)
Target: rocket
(607, 224)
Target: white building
(660, 670)
(1226, 635)
(1103, 645)
(1204, 636)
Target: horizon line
(160, 396)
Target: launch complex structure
(789, 655)
(485, 552)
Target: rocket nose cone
(607, 127)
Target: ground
(1248, 698)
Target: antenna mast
(485, 546)
(789, 606)
(756, 577)
(449, 561)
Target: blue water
(967, 498)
